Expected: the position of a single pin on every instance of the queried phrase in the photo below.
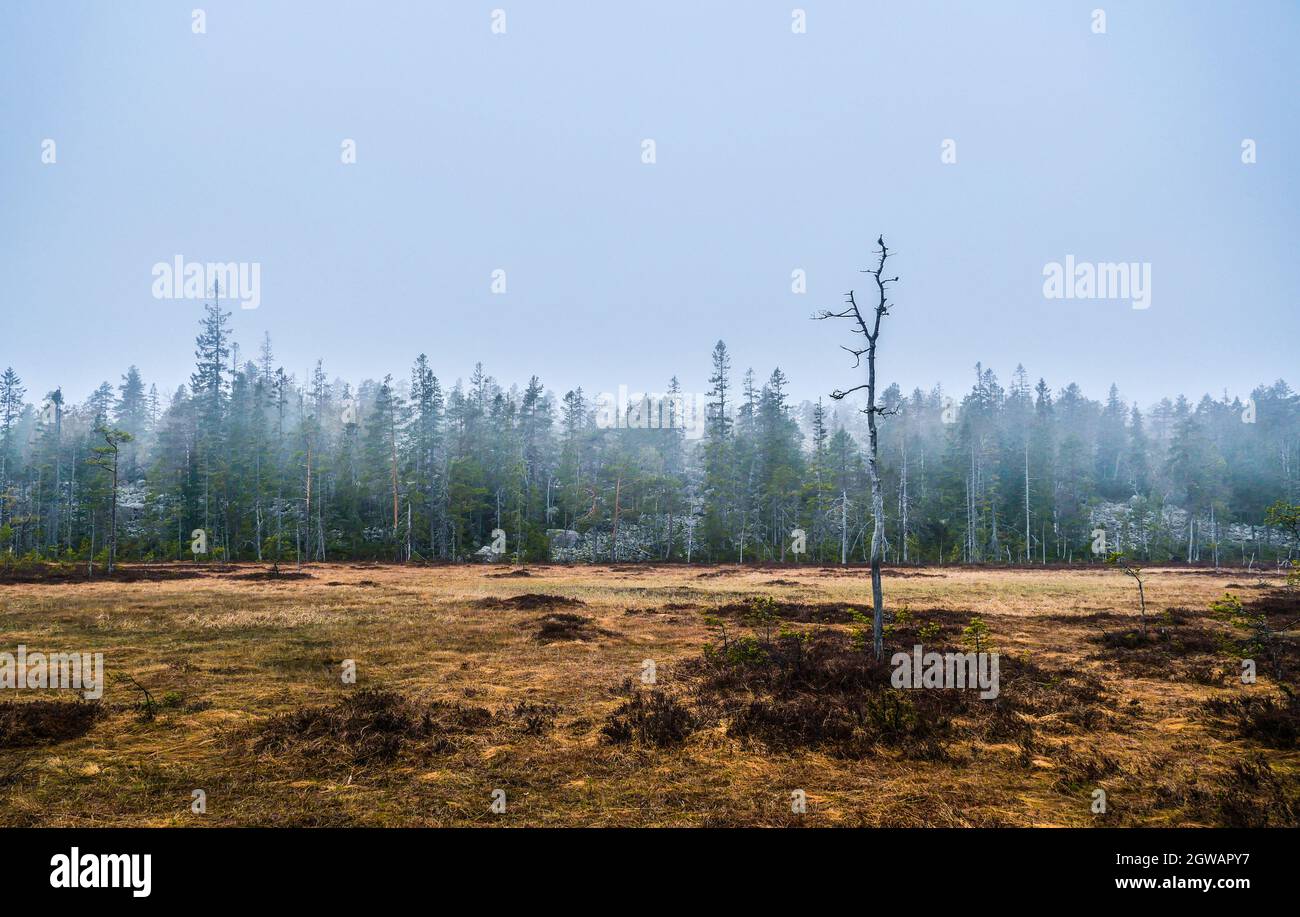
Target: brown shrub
(529, 601)
(1264, 718)
(651, 718)
(562, 625)
(1174, 647)
(825, 691)
(370, 725)
(44, 722)
(1254, 796)
(1249, 795)
(535, 719)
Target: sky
(775, 150)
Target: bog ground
(471, 680)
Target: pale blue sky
(776, 151)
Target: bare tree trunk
(320, 530)
(257, 501)
(308, 513)
(613, 546)
(877, 507)
(1214, 533)
(903, 506)
(1029, 556)
(112, 517)
(668, 552)
(967, 553)
(844, 527)
(394, 443)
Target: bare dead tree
(613, 548)
(308, 512)
(871, 332)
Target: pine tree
(11, 408)
(719, 470)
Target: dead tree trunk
(872, 334)
(393, 434)
(112, 515)
(1029, 556)
(308, 512)
(902, 503)
(844, 527)
(613, 535)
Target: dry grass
(469, 681)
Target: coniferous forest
(245, 461)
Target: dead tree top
(851, 311)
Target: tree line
(270, 467)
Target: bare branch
(857, 355)
(839, 395)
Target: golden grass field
(223, 652)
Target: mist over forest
(272, 467)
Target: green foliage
(863, 630)
(1258, 638)
(760, 611)
(1285, 516)
(976, 636)
(898, 621)
(1228, 608)
(745, 650)
(901, 618)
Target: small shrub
(977, 637)
(565, 626)
(1254, 796)
(651, 718)
(1261, 639)
(1264, 718)
(44, 722)
(536, 719)
(368, 726)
